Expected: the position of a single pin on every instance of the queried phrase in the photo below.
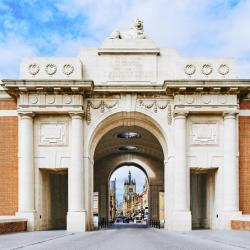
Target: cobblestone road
(127, 237)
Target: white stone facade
(187, 106)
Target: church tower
(129, 195)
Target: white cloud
(12, 50)
(193, 27)
(69, 47)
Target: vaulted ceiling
(137, 141)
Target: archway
(136, 142)
(128, 195)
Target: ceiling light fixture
(127, 148)
(128, 135)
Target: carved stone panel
(53, 134)
(204, 133)
(128, 68)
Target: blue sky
(122, 173)
(61, 27)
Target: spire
(129, 177)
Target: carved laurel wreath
(33, 69)
(190, 69)
(68, 69)
(51, 69)
(223, 69)
(207, 69)
(102, 105)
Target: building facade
(112, 200)
(61, 124)
(129, 196)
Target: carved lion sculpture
(136, 31)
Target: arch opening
(130, 120)
(128, 195)
(127, 145)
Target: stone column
(88, 186)
(76, 216)
(169, 189)
(26, 176)
(230, 170)
(181, 213)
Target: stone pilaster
(76, 217)
(26, 177)
(230, 170)
(181, 219)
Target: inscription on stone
(128, 68)
(53, 134)
(204, 133)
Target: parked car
(119, 220)
(137, 219)
(126, 220)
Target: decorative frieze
(205, 100)
(206, 69)
(103, 105)
(156, 105)
(53, 134)
(50, 100)
(51, 68)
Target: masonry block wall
(244, 161)
(8, 160)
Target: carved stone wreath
(207, 69)
(33, 69)
(100, 105)
(51, 69)
(50, 99)
(190, 69)
(223, 69)
(68, 69)
(67, 99)
(33, 99)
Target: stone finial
(136, 31)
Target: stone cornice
(213, 82)
(233, 86)
(171, 87)
(15, 87)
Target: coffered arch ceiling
(137, 141)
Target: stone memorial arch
(71, 111)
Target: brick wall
(8, 105)
(240, 225)
(8, 160)
(244, 161)
(11, 227)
